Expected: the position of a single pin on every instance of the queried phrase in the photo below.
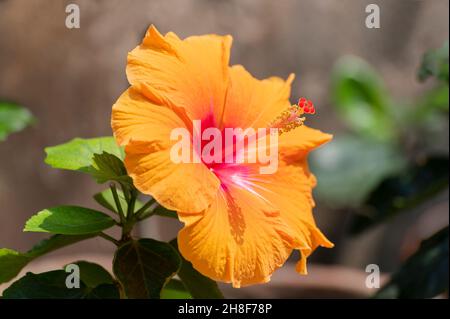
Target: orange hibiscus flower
(240, 225)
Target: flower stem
(141, 213)
(130, 220)
(117, 202)
(131, 205)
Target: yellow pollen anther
(289, 119)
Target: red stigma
(306, 105)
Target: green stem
(131, 205)
(128, 224)
(142, 211)
(126, 192)
(109, 238)
(117, 201)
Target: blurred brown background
(69, 78)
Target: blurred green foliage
(350, 166)
(435, 63)
(361, 99)
(423, 275)
(412, 187)
(13, 118)
(393, 159)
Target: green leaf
(104, 291)
(99, 157)
(199, 286)
(78, 154)
(48, 285)
(93, 275)
(52, 285)
(108, 167)
(435, 63)
(175, 290)
(56, 242)
(69, 220)
(423, 275)
(144, 266)
(12, 262)
(349, 168)
(361, 99)
(106, 200)
(13, 118)
(402, 192)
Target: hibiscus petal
(290, 191)
(254, 103)
(296, 144)
(239, 239)
(136, 117)
(176, 186)
(145, 128)
(191, 74)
